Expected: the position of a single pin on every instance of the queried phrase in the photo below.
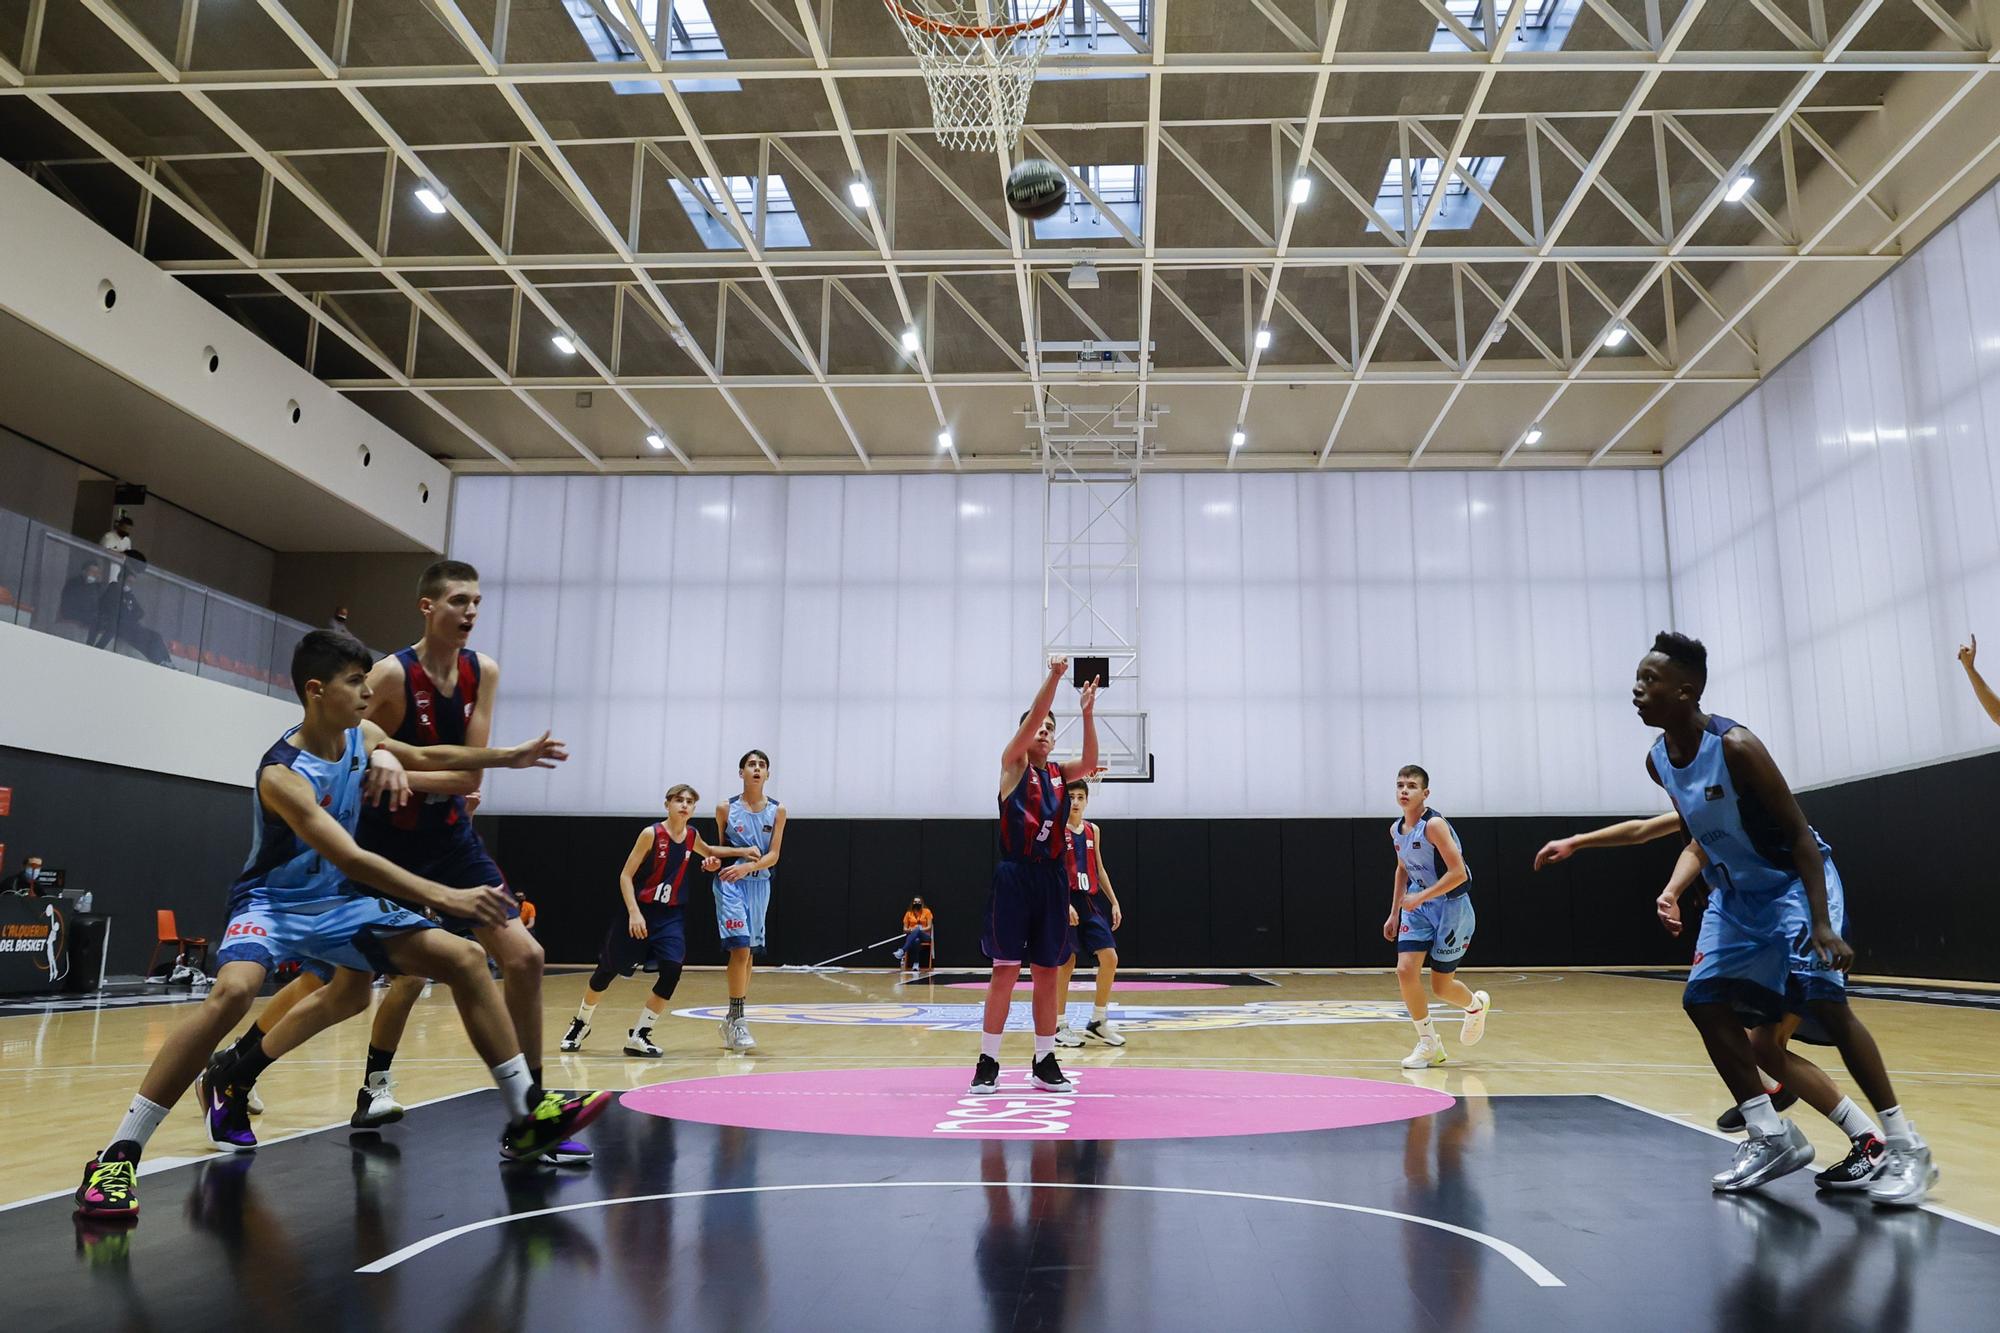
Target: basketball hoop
(979, 74)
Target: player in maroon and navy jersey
(1093, 914)
(1027, 913)
(653, 885)
(437, 692)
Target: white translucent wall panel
(1301, 637)
(1837, 534)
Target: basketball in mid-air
(1036, 189)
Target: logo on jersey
(1711, 793)
(326, 801)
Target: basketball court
(1326, 401)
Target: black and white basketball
(1036, 189)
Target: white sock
(586, 1011)
(1770, 1084)
(1426, 1027)
(1853, 1121)
(1762, 1120)
(646, 1017)
(513, 1080)
(989, 1044)
(139, 1123)
(1897, 1129)
(1044, 1045)
(1097, 1013)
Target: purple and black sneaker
(225, 1107)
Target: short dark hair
(1079, 786)
(1690, 655)
(1024, 716)
(442, 572)
(1416, 771)
(324, 654)
(746, 758)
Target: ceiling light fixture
(1302, 188)
(1236, 440)
(858, 191)
(944, 441)
(1263, 338)
(1499, 332)
(656, 441)
(563, 342)
(1738, 187)
(1534, 435)
(1616, 336)
(1083, 278)
(910, 341)
(431, 198)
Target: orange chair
(169, 933)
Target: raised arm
(1014, 758)
(1086, 766)
(1967, 655)
(291, 798)
(1756, 774)
(1628, 833)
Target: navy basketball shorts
(1027, 914)
(665, 942)
(1092, 933)
(453, 857)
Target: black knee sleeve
(670, 977)
(600, 980)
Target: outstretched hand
(1967, 652)
(387, 784)
(543, 752)
(1561, 849)
(1089, 696)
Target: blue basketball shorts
(756, 906)
(1744, 952)
(1812, 981)
(665, 942)
(1027, 914)
(1091, 934)
(348, 934)
(1442, 928)
(732, 913)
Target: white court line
(147, 1168)
(1951, 1214)
(1520, 1258)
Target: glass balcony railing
(55, 583)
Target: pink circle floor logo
(931, 1103)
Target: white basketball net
(979, 73)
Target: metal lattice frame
(1489, 282)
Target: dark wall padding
(1214, 893)
(139, 841)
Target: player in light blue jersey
(300, 897)
(755, 821)
(1770, 940)
(1788, 1077)
(1430, 915)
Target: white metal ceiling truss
(1608, 228)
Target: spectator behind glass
(27, 880)
(123, 618)
(80, 594)
(916, 931)
(118, 541)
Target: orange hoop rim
(927, 24)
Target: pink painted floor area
(1023, 987)
(1105, 1104)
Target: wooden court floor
(69, 1074)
